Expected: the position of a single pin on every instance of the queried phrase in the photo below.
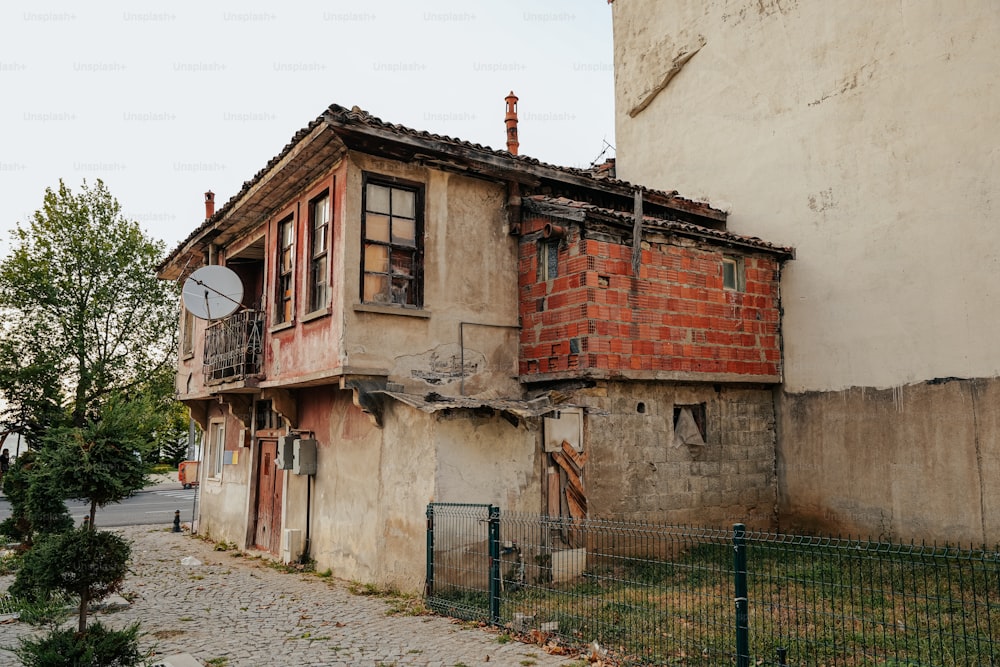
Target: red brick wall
(675, 319)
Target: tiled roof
(342, 120)
(653, 222)
(357, 115)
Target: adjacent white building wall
(864, 134)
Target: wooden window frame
(187, 334)
(284, 272)
(415, 298)
(739, 274)
(216, 449)
(548, 260)
(319, 256)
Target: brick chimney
(511, 120)
(209, 204)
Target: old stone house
(447, 322)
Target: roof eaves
(573, 210)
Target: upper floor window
(393, 244)
(548, 260)
(187, 334)
(732, 274)
(285, 270)
(319, 221)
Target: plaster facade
(406, 342)
(859, 133)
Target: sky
(163, 101)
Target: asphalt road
(152, 506)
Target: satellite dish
(212, 292)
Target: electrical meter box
(304, 457)
(283, 459)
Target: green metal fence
(657, 594)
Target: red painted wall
(675, 317)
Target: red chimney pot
(209, 204)
(511, 120)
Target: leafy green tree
(169, 435)
(37, 505)
(101, 462)
(86, 349)
(84, 315)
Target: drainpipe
(307, 546)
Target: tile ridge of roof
(358, 114)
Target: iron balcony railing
(233, 347)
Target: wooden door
(267, 515)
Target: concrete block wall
(636, 473)
(674, 318)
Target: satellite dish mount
(213, 292)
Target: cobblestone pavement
(251, 614)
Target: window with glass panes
(216, 448)
(319, 217)
(286, 266)
(392, 235)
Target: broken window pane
(402, 263)
(377, 200)
(392, 240)
(400, 290)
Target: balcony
(233, 348)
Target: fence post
(429, 582)
(494, 564)
(742, 616)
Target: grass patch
(10, 561)
(400, 604)
(849, 604)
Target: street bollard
(177, 521)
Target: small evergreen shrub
(98, 646)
